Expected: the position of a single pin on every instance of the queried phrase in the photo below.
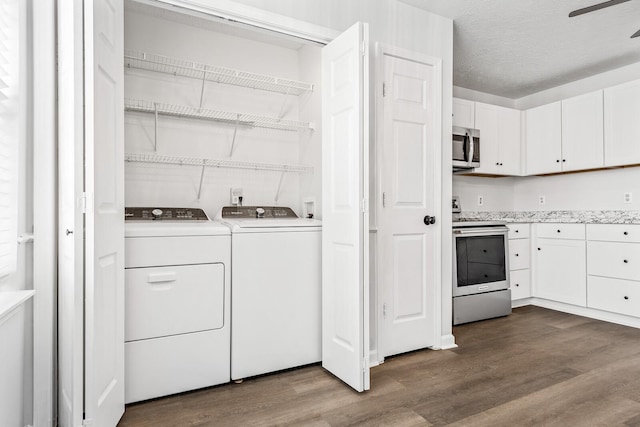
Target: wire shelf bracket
(184, 68)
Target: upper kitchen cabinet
(622, 124)
(582, 132)
(499, 139)
(543, 133)
(463, 113)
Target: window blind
(9, 134)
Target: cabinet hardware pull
(626, 261)
(626, 233)
(517, 284)
(517, 231)
(557, 161)
(626, 297)
(539, 249)
(517, 254)
(558, 231)
(564, 160)
(497, 164)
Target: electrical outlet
(628, 197)
(236, 196)
(480, 200)
(542, 200)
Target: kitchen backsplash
(596, 190)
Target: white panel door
(621, 124)
(409, 162)
(509, 137)
(560, 271)
(582, 132)
(543, 139)
(104, 219)
(488, 123)
(345, 298)
(463, 113)
(70, 216)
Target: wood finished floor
(537, 367)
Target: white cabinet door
(543, 137)
(345, 224)
(510, 142)
(104, 218)
(499, 139)
(622, 124)
(463, 113)
(560, 271)
(582, 132)
(488, 123)
(409, 161)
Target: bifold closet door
(345, 219)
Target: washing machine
(276, 289)
(177, 298)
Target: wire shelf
(231, 164)
(212, 73)
(215, 115)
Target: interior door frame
(381, 50)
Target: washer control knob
(259, 213)
(157, 213)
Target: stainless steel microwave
(466, 149)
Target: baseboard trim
(591, 313)
(447, 342)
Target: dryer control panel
(247, 212)
(166, 214)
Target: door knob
(428, 220)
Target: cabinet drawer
(179, 250)
(518, 254)
(520, 284)
(518, 231)
(614, 232)
(615, 295)
(174, 300)
(163, 366)
(561, 231)
(619, 260)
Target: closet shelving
(212, 73)
(216, 163)
(240, 119)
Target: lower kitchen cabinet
(613, 268)
(519, 261)
(520, 284)
(560, 272)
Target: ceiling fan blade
(596, 7)
(636, 34)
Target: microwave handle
(465, 147)
(471, 147)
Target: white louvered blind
(9, 134)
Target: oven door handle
(483, 231)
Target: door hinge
(384, 199)
(384, 90)
(365, 205)
(363, 48)
(83, 202)
(87, 422)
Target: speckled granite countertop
(586, 217)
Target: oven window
(480, 259)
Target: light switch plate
(628, 197)
(542, 200)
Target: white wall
(162, 185)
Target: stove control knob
(157, 213)
(259, 213)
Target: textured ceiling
(514, 48)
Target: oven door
(480, 260)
